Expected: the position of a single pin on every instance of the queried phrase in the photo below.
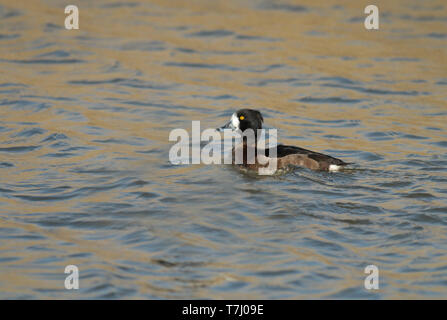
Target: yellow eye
(242, 117)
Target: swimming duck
(286, 156)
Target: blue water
(85, 177)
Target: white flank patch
(334, 168)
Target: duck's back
(291, 155)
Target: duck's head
(244, 119)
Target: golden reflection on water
(276, 60)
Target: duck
(286, 156)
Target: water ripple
(85, 176)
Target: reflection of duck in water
(285, 155)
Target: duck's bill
(229, 125)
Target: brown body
(287, 156)
(282, 156)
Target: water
(85, 177)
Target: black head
(244, 119)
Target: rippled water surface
(85, 178)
